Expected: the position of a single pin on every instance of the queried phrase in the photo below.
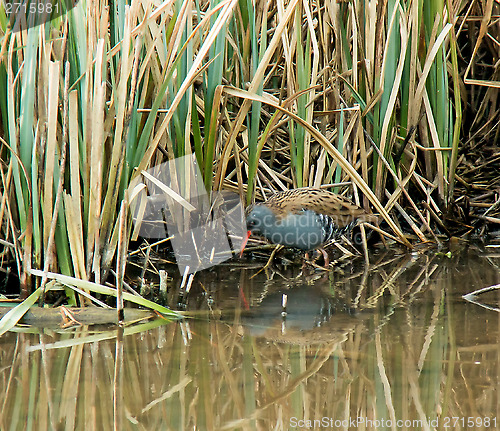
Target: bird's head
(258, 218)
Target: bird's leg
(305, 261)
(312, 262)
(325, 257)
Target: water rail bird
(304, 218)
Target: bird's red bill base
(244, 243)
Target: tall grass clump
(89, 99)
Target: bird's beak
(244, 243)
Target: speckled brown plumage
(320, 201)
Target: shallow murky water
(390, 346)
